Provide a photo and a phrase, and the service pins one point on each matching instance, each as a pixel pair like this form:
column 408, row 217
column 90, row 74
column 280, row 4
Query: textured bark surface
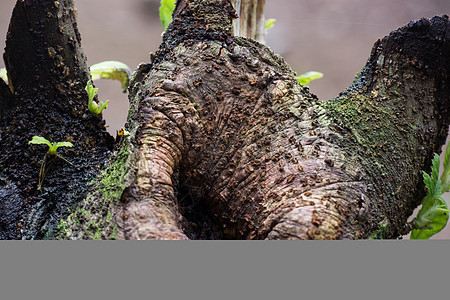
column 6, row 99
column 225, row 144
column 394, row 116
column 47, row 71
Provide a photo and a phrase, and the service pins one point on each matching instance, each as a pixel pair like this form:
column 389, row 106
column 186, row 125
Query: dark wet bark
column 6, row 99
column 224, row 142
column 47, row 72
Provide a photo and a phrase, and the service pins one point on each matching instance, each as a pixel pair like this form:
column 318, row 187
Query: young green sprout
column 307, row 77
column 93, row 106
column 434, row 214
column 52, row 148
column 112, row 69
column 269, row 23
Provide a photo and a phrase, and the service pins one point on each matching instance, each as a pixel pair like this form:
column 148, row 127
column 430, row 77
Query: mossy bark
column 225, row 144
column 394, row 116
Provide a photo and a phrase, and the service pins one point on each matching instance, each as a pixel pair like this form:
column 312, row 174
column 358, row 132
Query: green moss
column 368, row 122
column 62, row 227
column 108, row 217
column 93, row 220
column 376, row 127
column 113, row 235
column 380, row 232
column 113, row 183
column 48, row 234
column 98, row 234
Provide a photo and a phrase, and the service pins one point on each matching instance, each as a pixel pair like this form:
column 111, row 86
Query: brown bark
column 395, row 115
column 224, row 129
column 224, row 142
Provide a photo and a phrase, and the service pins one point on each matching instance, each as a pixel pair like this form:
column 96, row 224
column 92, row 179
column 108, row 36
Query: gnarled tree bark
column 224, row 142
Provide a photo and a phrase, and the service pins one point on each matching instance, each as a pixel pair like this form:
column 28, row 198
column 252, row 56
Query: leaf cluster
column 93, row 106
column 433, row 215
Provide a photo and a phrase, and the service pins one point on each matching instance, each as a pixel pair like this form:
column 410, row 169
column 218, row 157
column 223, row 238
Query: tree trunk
column 6, row 99
column 47, row 72
column 225, row 144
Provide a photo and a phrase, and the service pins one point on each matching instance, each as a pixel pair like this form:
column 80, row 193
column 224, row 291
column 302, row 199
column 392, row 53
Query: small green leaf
column 92, row 105
column 55, row 146
column 429, row 184
column 307, row 77
column 270, row 23
column 103, row 105
column 96, row 108
column 432, row 183
column 445, row 177
column 91, row 91
column 4, row 74
column 430, row 221
column 52, row 147
column 63, row 144
column 114, row 70
column 435, row 188
column 39, row 140
column 165, row 12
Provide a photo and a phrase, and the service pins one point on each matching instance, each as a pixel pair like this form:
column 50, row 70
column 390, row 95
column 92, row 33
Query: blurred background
column 334, row 37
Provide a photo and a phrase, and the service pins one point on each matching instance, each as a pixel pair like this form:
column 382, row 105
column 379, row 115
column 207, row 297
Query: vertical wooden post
column 251, row 22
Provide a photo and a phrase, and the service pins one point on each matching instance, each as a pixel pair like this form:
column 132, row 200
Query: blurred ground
column 331, row 36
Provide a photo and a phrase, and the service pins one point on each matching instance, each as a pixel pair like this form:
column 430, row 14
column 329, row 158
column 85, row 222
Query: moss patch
column 380, row 232
column 93, row 218
column 113, row 183
column 368, row 122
